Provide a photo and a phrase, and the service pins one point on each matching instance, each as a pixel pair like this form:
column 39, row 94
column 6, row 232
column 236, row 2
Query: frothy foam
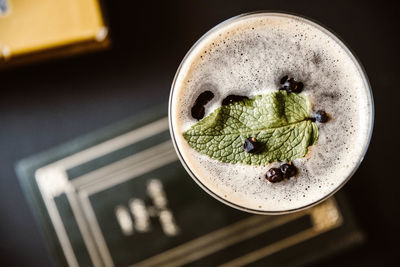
column 248, row 56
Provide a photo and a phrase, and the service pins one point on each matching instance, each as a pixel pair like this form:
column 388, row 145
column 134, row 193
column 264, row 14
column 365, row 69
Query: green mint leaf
column 279, row 121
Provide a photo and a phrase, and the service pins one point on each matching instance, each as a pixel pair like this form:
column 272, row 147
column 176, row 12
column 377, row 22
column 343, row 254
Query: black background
column 46, row 104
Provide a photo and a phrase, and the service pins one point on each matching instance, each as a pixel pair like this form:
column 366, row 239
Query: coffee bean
column 288, row 170
column 321, row 116
column 198, row 109
column 251, row 145
column 274, row 175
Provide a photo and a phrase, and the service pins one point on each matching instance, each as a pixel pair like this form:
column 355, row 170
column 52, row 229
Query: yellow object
column 33, row 27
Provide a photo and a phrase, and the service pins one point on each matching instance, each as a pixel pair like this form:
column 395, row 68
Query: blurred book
column 36, row 30
column 120, row 197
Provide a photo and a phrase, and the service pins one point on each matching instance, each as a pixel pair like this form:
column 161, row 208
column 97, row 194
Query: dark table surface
column 46, row 104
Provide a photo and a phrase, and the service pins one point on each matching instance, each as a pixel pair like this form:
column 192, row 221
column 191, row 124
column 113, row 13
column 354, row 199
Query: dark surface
column 44, row 105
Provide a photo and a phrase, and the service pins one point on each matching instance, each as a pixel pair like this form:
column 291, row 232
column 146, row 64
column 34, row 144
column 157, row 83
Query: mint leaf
column 278, row 120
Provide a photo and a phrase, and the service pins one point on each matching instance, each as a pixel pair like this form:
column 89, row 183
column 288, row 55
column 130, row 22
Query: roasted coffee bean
column 288, row 170
column 274, row 175
column 321, row 116
column 251, row 145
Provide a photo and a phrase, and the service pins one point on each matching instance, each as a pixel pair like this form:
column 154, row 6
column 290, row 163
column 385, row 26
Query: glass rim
column 335, row 37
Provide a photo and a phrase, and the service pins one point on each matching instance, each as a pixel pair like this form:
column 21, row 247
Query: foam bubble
column 248, row 56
